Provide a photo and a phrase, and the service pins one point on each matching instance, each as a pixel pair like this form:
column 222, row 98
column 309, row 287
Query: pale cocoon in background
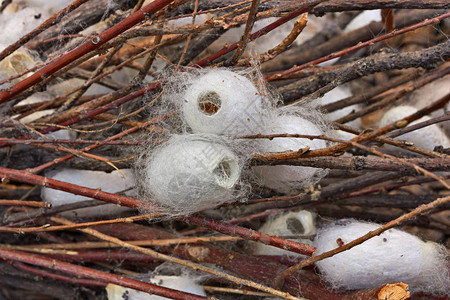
column 427, row 137
column 222, row 102
column 283, row 178
column 336, row 94
column 190, row 173
column 108, row 182
column 394, row 256
column 290, row 224
column 180, row 283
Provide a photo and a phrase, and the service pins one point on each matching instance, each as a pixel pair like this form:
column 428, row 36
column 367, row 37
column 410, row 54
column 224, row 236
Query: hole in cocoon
column 209, row 103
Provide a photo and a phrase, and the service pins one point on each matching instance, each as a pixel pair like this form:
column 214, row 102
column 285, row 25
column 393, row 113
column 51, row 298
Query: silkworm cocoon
column 49, row 6
column 15, row 24
column 290, row 224
column 222, row 102
column 427, row 137
column 282, row 178
column 190, row 173
column 394, row 256
column 108, row 182
column 180, row 283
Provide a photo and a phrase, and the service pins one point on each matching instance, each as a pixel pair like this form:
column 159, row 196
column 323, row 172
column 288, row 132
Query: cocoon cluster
column 222, row 102
column 286, row 179
column 290, row 224
column 394, row 256
column 427, row 137
column 180, row 283
column 190, row 173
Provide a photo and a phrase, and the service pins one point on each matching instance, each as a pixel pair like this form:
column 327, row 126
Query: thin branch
column 247, row 31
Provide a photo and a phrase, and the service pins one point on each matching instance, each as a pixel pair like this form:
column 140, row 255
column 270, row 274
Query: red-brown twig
column 25, row 203
column 249, row 234
column 24, row 176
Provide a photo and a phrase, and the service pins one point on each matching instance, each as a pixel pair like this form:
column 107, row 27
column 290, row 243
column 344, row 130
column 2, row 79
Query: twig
column 153, row 242
column 25, row 203
column 249, row 234
column 25, row 176
column 48, row 227
column 247, row 31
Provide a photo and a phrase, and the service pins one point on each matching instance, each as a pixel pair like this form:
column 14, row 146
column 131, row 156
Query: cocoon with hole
column 394, row 256
column 222, row 102
column 290, row 224
column 282, row 178
column 190, row 173
column 427, row 137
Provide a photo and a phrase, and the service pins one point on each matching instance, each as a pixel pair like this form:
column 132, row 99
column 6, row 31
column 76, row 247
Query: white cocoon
column 16, row 24
column 50, row 6
column 427, row 137
column 116, row 292
column 282, row 178
column 394, row 256
column 222, row 102
column 290, row 224
column 108, row 182
column 364, row 18
column 190, row 173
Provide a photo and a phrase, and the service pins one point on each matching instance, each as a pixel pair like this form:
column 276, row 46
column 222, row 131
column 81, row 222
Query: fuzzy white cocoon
column 394, row 256
column 108, row 182
column 427, row 137
column 222, row 102
column 14, row 25
column 190, row 173
column 282, row 178
column 290, row 224
column 116, row 292
column 50, row 6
